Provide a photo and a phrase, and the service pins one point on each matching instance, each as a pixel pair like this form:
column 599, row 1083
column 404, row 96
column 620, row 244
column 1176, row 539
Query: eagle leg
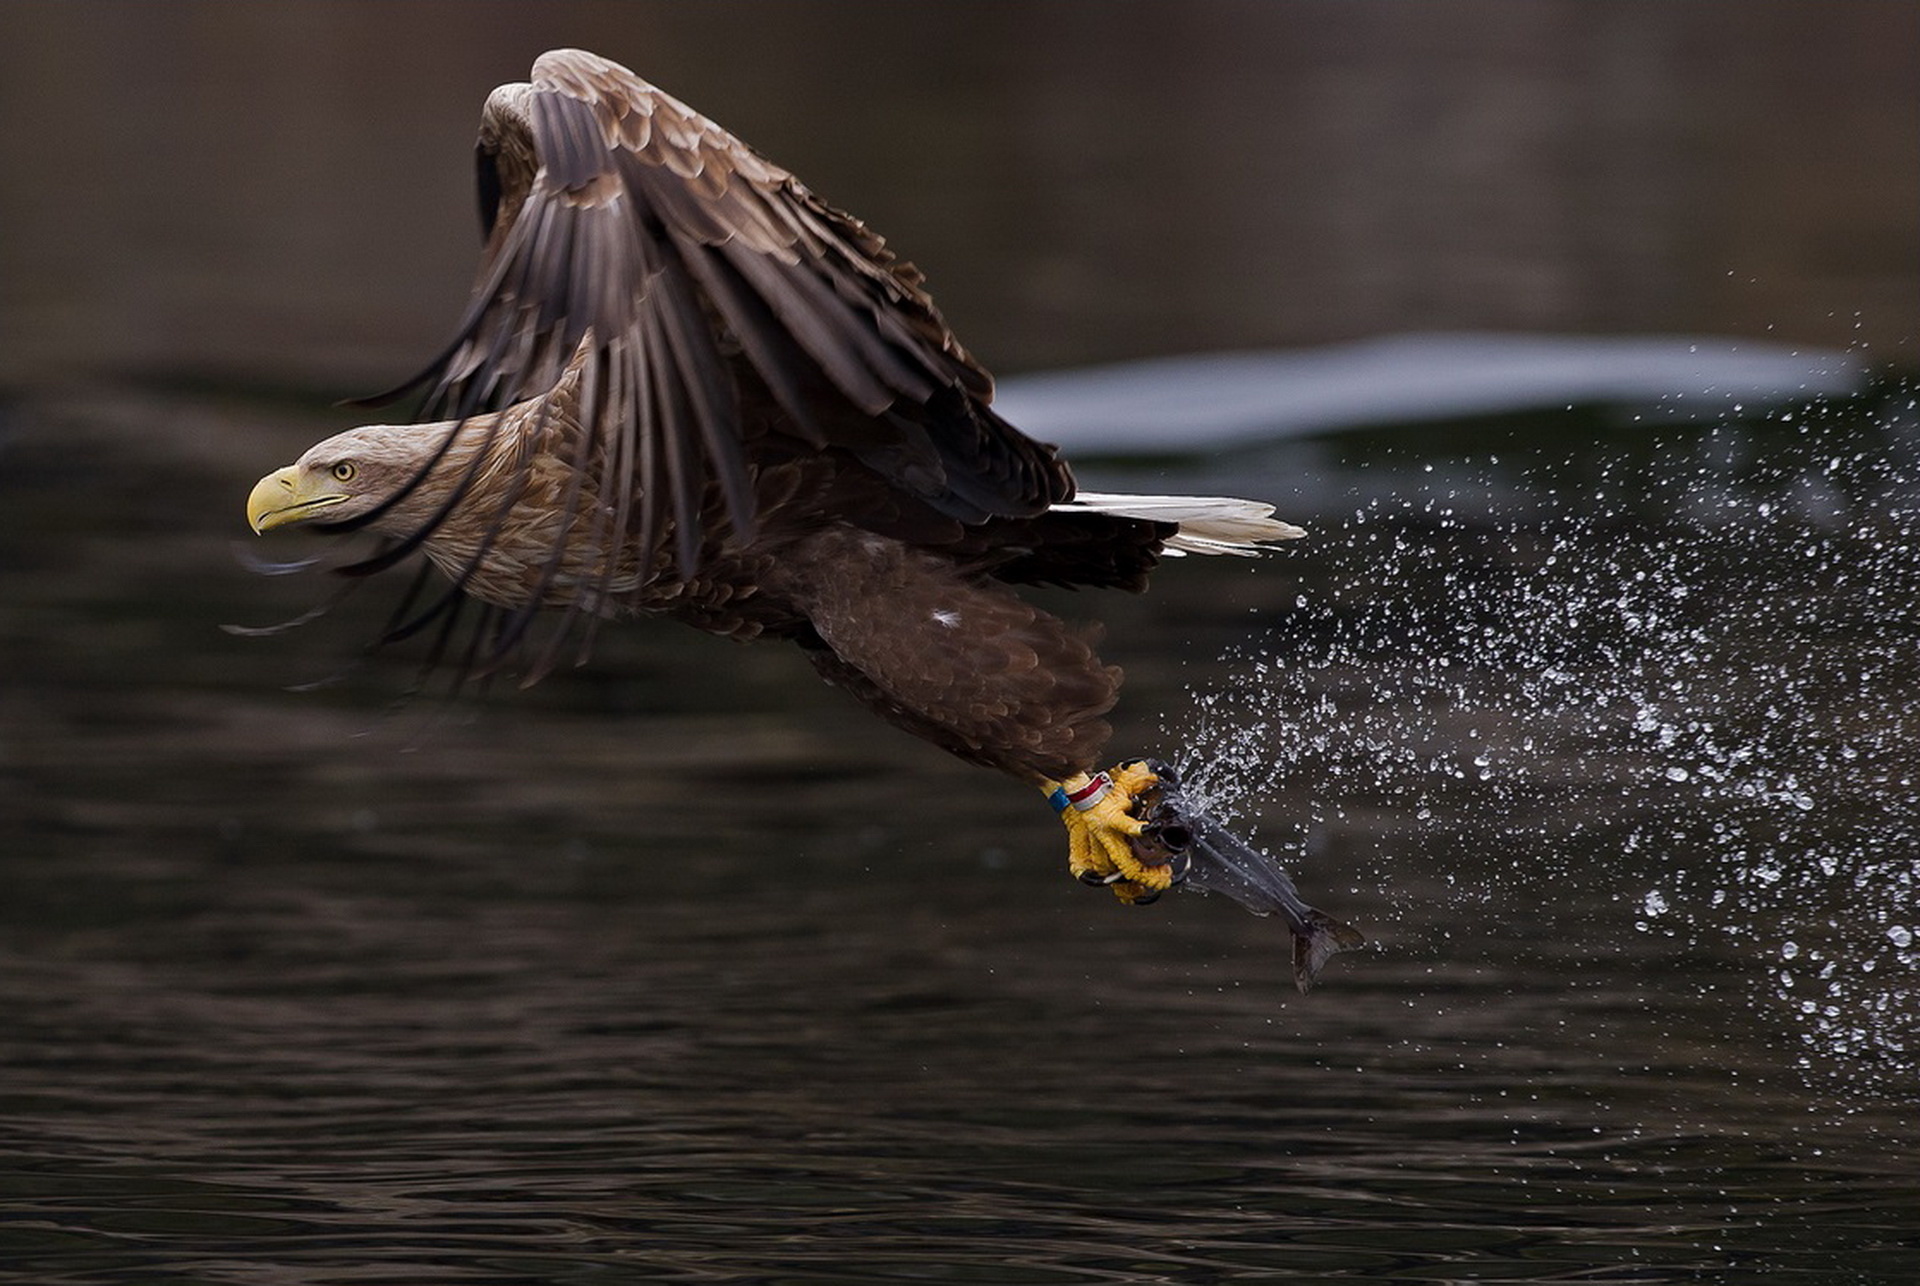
column 1108, row 843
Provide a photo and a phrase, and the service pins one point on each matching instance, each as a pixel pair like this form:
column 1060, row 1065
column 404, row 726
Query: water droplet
column 1901, row 935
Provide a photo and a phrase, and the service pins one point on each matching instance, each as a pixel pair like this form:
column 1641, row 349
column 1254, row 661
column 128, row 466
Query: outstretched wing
column 700, row 280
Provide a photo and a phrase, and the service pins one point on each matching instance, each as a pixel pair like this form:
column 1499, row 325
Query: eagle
column 686, row 386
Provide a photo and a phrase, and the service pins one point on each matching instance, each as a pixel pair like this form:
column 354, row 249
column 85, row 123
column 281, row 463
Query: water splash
column 1676, row 673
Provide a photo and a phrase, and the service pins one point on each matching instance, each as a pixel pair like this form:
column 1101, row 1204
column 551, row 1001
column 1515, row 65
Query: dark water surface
column 680, row 968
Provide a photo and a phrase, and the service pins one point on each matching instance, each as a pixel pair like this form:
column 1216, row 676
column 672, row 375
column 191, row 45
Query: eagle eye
column 344, row 471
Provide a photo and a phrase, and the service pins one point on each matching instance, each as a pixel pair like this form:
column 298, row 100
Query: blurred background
column 1589, row 697
column 283, row 193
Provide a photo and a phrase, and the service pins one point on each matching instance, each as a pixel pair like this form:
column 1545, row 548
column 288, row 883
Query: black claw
column 1092, row 879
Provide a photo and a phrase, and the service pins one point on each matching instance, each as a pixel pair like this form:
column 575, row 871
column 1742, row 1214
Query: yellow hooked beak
column 288, row 495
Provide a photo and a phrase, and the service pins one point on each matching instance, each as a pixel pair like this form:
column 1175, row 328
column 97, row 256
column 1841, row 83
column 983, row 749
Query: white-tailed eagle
column 686, row 386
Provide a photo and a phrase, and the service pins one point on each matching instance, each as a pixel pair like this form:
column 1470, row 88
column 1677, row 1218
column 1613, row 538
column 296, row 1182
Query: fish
column 1207, row 857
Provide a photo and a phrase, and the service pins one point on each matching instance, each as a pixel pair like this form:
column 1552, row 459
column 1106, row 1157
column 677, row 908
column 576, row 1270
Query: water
column 1700, row 663
column 679, row 968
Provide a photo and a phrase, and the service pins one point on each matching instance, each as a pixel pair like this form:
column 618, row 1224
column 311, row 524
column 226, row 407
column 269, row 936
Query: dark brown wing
column 687, row 265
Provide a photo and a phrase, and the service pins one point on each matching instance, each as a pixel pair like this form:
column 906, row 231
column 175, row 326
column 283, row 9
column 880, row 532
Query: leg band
column 1081, row 797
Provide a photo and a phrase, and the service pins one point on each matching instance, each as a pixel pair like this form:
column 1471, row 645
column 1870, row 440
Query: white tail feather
column 1208, row 524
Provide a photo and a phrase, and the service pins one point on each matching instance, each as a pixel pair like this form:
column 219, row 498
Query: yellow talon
column 1133, row 777
column 1099, row 827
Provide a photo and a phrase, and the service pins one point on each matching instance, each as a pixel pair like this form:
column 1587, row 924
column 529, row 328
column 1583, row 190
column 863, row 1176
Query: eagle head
column 341, row 479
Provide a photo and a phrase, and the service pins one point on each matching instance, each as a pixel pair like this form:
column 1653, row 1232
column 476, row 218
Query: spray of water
column 1679, row 669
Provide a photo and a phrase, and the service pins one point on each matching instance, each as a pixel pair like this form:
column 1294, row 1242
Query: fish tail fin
column 1318, row 938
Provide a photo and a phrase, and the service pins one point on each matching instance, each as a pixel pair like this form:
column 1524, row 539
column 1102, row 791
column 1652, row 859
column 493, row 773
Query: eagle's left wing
column 695, row 274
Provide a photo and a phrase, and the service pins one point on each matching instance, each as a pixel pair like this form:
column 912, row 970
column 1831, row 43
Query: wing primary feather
column 503, row 511
column 768, row 347
column 307, row 617
column 610, row 506
column 681, row 477
column 585, row 268
column 846, row 317
column 504, row 296
column 568, row 138
column 504, row 331
column 442, row 605
column 486, row 293
column 645, row 402
column 815, row 317
column 619, row 477
column 660, row 449
column 603, row 540
column 711, row 394
column 553, row 319
column 466, row 670
column 587, row 413
column 512, row 625
column 456, row 589
column 484, row 624
column 394, row 628
column 449, row 621
column 620, row 263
